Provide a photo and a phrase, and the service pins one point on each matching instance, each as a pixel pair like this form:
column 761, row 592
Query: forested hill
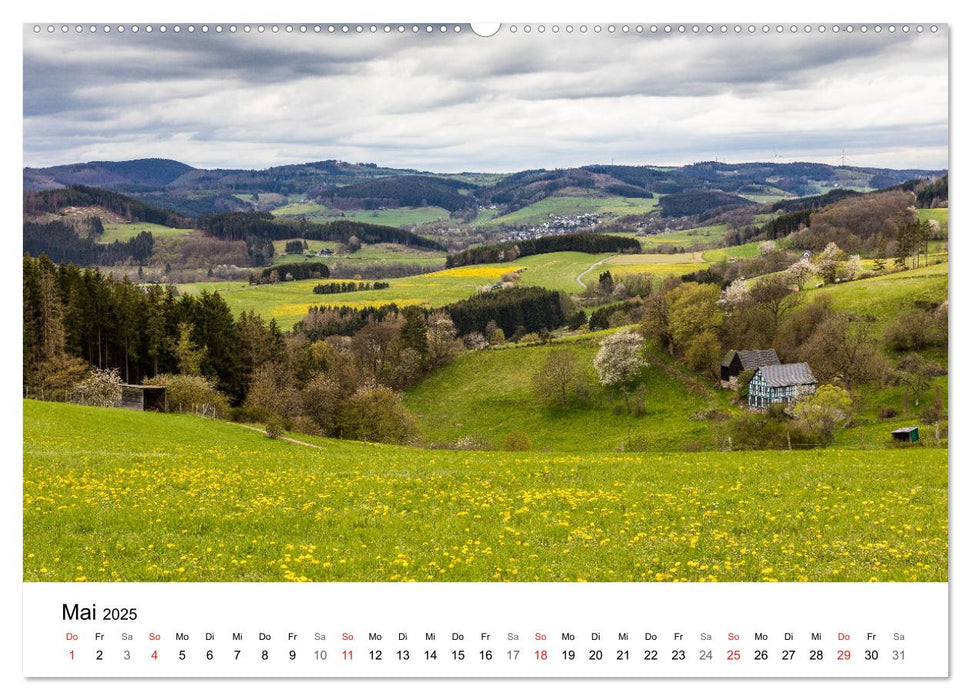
column 698, row 202
column 404, row 191
column 144, row 172
column 196, row 191
column 53, row 201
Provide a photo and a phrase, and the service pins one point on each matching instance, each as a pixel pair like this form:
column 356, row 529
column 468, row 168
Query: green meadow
column 485, row 395
column 540, row 211
column 377, row 254
column 288, row 302
column 169, row 497
column 702, row 235
column 884, row 297
column 397, row 217
column 124, row 232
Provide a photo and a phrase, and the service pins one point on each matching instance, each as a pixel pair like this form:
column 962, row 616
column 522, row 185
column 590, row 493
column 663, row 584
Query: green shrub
column 766, row 431
column 517, row 441
column 187, row 393
column 377, row 414
column 274, row 427
column 636, row 443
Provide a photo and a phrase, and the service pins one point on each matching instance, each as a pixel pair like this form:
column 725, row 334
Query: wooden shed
column 910, row 434
column 144, row 397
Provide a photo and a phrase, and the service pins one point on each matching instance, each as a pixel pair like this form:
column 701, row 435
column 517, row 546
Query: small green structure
column 911, row 434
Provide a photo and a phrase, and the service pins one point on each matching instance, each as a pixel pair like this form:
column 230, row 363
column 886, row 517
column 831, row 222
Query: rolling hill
column 396, row 192
column 485, row 395
column 196, row 191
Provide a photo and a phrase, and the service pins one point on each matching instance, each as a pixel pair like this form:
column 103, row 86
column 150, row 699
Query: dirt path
column 599, row 262
column 287, row 439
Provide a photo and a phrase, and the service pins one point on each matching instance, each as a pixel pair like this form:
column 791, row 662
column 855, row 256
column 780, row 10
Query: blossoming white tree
column 800, row 271
column 101, row 388
column 735, row 295
column 620, row 361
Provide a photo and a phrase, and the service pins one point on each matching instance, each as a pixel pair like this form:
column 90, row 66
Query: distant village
column 557, row 223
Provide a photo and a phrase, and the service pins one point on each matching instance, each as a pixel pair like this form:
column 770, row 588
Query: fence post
column 789, row 440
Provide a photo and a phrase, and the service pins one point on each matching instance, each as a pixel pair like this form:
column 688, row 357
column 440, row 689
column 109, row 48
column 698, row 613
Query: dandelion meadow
column 114, row 495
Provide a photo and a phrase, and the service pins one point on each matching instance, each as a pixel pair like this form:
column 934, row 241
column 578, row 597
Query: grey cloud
column 467, row 103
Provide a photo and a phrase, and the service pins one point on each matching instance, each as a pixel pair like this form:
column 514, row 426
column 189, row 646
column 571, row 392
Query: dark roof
column 904, row 430
column 752, row 359
column 787, row 375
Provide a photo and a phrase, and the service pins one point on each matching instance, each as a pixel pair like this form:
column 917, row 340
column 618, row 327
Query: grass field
column 308, row 209
column 279, row 248
column 124, row 232
column 484, row 214
column 869, row 430
column 883, row 298
column 488, row 394
column 380, row 253
column 263, row 198
column 540, row 211
column 403, row 216
column 558, row 271
column 746, row 250
column 939, row 215
column 393, row 253
column 675, row 264
column 398, row 217
column 703, row 235
column 180, row 498
column 288, row 302
column 767, row 197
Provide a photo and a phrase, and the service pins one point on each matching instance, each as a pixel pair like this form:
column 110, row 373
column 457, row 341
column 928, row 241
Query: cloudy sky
column 461, row 102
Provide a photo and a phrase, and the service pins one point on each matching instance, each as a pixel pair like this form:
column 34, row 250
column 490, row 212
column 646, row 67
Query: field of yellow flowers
column 113, row 495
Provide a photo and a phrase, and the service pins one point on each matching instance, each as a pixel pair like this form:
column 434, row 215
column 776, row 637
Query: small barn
column 143, row 397
column 910, row 434
column 780, row 384
column 737, row 361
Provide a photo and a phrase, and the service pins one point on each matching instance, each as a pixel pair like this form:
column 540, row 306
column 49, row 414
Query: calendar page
column 521, row 350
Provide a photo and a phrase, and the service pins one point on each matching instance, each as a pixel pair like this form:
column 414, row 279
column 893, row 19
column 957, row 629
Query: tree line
column 243, row 225
column 515, row 309
column 511, row 250
column 75, row 317
column 50, row 201
column 85, row 332
column 341, row 287
column 285, row 272
column 403, row 191
column 63, row 244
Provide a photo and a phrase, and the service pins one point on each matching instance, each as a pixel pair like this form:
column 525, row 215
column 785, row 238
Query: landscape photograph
column 375, row 303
